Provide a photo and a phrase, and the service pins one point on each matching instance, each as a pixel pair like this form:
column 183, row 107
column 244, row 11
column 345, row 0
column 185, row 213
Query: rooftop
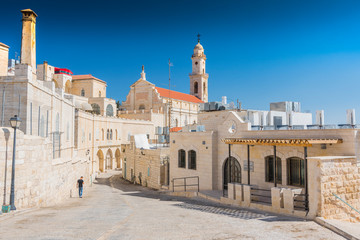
column 177, row 95
column 86, row 77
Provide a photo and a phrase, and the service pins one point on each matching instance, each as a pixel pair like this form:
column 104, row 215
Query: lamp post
column 15, row 123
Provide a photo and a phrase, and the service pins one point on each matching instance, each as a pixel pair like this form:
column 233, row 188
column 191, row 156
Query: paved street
column 115, row 209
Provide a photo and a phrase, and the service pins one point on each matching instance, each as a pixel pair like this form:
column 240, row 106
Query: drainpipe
column 306, row 181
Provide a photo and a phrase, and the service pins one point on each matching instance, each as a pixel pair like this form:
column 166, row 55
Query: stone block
column 276, row 198
column 288, row 198
column 247, row 195
column 239, row 192
column 231, row 191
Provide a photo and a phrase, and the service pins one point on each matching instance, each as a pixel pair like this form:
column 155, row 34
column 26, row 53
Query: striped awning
column 280, row 142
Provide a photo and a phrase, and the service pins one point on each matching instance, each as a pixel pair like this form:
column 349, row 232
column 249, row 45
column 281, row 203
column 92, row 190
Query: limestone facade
column 332, row 168
column 4, row 57
column 148, row 167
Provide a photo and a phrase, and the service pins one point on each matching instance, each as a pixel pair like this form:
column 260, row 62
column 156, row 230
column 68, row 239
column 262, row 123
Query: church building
column 166, row 107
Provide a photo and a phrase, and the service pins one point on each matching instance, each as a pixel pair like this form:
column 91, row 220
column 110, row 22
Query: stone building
column 69, row 127
column 236, row 163
column 166, row 107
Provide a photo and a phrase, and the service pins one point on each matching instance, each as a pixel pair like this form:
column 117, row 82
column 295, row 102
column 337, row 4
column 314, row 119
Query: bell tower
column 198, row 77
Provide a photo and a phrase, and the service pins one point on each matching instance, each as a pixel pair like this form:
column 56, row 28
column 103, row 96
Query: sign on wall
column 246, row 166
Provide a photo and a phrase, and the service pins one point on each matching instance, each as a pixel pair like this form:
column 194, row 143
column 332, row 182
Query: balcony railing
column 304, row 127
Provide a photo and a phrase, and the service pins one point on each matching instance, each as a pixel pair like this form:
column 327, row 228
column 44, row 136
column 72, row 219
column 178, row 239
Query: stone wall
column 147, row 165
column 39, row 179
column 340, row 177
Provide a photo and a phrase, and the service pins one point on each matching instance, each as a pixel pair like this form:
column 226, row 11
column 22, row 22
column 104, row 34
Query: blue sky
column 259, row 51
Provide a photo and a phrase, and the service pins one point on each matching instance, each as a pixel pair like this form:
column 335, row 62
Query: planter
column 5, row 208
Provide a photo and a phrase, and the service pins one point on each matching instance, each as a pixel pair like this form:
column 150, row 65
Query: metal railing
column 346, row 203
column 300, row 202
column 185, row 184
column 260, row 195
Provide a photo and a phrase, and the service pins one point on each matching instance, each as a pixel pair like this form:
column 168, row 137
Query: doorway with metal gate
column 233, row 167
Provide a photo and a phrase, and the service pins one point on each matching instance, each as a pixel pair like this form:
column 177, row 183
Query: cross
column 198, row 37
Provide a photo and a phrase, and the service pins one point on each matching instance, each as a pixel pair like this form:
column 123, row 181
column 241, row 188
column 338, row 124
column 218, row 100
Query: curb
column 335, row 229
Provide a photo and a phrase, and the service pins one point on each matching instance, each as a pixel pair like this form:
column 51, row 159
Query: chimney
column 28, row 39
column 224, row 100
column 4, row 59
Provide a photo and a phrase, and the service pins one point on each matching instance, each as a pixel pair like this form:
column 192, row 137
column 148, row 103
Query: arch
column 99, row 93
column 56, row 83
column 68, row 86
column 142, row 107
column 83, row 92
column 181, row 158
column 109, row 110
column 100, row 156
column 196, row 87
column 109, row 159
column 192, row 159
column 111, row 134
column 235, row 174
column 117, row 157
column 96, row 108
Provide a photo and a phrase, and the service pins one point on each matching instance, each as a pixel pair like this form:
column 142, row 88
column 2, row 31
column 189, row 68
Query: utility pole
column 169, row 101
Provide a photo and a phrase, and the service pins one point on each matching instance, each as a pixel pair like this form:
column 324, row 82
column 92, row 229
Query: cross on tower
column 198, row 37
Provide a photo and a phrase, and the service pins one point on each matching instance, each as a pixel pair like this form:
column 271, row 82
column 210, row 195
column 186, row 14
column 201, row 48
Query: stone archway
column 117, row 157
column 235, row 172
column 109, row 160
column 100, row 156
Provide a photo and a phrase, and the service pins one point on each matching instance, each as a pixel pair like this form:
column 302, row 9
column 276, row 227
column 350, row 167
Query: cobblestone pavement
column 115, row 209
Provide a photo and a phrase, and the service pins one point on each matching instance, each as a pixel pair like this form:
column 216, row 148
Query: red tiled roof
column 175, row 129
column 177, row 95
column 85, row 76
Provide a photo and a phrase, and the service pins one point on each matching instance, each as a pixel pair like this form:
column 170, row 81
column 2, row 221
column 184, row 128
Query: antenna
column 198, row 36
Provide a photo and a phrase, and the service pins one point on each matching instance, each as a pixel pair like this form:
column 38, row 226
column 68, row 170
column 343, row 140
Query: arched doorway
column 117, row 157
column 100, row 156
column 235, row 172
column 109, row 159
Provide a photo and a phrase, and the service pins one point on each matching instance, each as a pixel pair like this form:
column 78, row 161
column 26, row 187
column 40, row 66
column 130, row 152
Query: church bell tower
column 198, row 77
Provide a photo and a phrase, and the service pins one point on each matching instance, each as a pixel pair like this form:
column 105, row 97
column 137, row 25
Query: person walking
column 80, row 184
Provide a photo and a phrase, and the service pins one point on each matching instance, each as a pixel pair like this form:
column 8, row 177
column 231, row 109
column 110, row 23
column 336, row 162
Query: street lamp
column 15, row 123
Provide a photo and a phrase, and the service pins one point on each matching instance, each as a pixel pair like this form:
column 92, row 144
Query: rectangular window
column 269, row 167
column 192, row 159
column 295, row 171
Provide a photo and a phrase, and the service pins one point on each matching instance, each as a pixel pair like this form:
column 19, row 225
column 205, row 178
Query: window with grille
column 181, row 158
column 295, row 171
column 269, row 167
column 192, row 159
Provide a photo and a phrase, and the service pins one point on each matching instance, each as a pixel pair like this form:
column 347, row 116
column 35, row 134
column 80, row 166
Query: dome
column 199, row 46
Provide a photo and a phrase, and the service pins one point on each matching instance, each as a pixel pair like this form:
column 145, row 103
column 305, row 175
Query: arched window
column 109, row 110
column 195, row 87
column 177, row 122
column 82, row 92
column 142, row 107
column 269, row 167
column 192, row 159
column 99, row 93
column 295, row 171
column 181, row 158
column 96, row 108
column 107, row 134
column 116, row 135
column 111, row 135
column 204, row 87
column 102, row 134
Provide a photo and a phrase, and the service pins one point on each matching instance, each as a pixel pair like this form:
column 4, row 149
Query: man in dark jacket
column 80, row 184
